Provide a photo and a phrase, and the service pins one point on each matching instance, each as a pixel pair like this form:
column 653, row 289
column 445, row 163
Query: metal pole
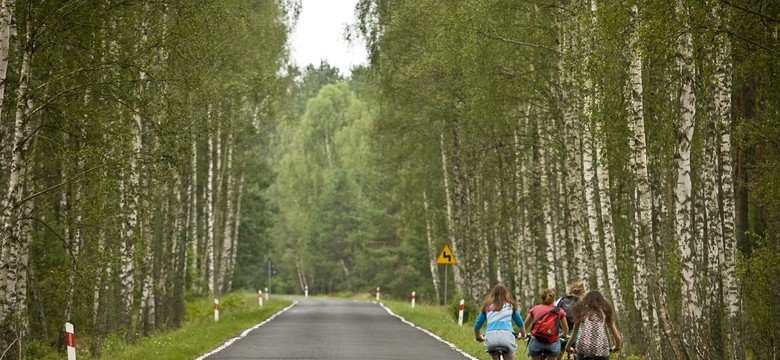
column 446, row 273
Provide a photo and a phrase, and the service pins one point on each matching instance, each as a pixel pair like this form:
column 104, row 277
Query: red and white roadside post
column 266, row 294
column 260, row 297
column 377, row 293
column 414, row 293
column 70, row 340
column 460, row 313
column 306, row 291
column 216, row 309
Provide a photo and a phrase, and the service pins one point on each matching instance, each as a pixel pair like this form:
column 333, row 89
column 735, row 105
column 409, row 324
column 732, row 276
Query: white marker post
column 377, row 293
column 260, row 297
column 70, row 339
column 413, row 296
column 460, row 313
column 266, row 294
column 216, row 309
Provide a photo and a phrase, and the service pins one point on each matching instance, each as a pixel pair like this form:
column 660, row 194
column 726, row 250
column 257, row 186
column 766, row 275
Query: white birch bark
column 644, row 252
column 214, row 248
column 433, row 253
column 532, row 278
column 458, row 280
column 209, row 211
column 519, row 218
column 589, row 177
column 571, row 192
column 11, row 260
column 227, row 244
column 192, row 219
column 574, row 182
column 608, row 257
column 728, row 251
column 683, row 188
column 23, row 262
column 7, row 31
column 236, row 227
column 550, row 248
column 708, row 204
column 145, row 319
column 72, row 232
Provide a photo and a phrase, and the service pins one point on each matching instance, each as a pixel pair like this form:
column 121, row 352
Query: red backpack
column 545, row 327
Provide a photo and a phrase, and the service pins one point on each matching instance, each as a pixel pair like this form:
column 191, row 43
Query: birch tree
column 683, row 186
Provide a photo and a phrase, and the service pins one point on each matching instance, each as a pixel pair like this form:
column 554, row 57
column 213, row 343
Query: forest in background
column 159, row 151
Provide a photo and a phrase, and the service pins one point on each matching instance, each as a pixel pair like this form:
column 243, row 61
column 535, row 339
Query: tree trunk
column 728, row 251
column 192, row 218
column 12, row 261
column 227, row 243
column 209, row 212
column 551, row 250
column 678, row 347
column 458, row 280
column 433, row 254
column 683, row 189
column 236, row 227
column 6, row 30
column 644, row 252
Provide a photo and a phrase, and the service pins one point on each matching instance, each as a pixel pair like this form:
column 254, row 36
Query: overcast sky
column 319, row 35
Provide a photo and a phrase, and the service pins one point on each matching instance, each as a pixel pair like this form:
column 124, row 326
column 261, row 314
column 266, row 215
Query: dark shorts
column 536, row 348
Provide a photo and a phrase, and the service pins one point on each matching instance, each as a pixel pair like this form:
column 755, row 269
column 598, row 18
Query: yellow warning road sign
column 446, row 257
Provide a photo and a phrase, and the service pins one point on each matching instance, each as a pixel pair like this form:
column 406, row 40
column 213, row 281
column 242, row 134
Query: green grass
column 436, row 320
column 197, row 336
column 202, row 334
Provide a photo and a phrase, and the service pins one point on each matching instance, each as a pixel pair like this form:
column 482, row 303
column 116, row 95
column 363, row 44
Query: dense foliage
column 157, row 150
column 131, row 136
column 631, row 144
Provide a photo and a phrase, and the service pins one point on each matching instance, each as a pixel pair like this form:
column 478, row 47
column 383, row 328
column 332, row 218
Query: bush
column 758, row 275
column 470, row 310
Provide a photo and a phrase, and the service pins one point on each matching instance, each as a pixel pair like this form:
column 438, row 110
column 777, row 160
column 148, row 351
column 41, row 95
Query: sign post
column 70, row 339
column 216, row 309
column 446, row 257
column 377, row 293
column 460, row 313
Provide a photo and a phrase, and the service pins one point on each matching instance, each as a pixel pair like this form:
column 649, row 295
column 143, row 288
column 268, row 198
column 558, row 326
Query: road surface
column 337, row 329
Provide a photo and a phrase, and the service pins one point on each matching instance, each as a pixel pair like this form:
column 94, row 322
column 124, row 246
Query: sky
column 319, row 34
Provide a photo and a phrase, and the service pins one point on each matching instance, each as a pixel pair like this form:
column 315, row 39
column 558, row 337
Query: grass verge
column 198, row 335
column 201, row 334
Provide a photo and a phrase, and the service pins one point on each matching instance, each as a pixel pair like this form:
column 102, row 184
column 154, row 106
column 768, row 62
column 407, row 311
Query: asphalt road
column 337, row 329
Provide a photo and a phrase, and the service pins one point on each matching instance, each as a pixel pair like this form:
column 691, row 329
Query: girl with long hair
column 592, row 315
column 499, row 310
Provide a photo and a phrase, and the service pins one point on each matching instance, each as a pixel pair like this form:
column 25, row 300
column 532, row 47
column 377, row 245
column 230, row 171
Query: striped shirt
column 499, row 319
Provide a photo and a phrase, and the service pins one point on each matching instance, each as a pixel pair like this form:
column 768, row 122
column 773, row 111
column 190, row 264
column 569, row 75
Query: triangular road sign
column 446, row 257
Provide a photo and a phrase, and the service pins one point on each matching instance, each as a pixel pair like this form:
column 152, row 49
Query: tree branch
column 495, row 36
column 67, row 181
column 767, row 17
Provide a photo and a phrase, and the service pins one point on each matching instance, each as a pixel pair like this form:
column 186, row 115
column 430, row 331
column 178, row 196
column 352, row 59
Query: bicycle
column 499, row 352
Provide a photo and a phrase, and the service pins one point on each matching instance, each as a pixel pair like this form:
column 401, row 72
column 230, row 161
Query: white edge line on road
column 426, row 331
column 243, row 334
